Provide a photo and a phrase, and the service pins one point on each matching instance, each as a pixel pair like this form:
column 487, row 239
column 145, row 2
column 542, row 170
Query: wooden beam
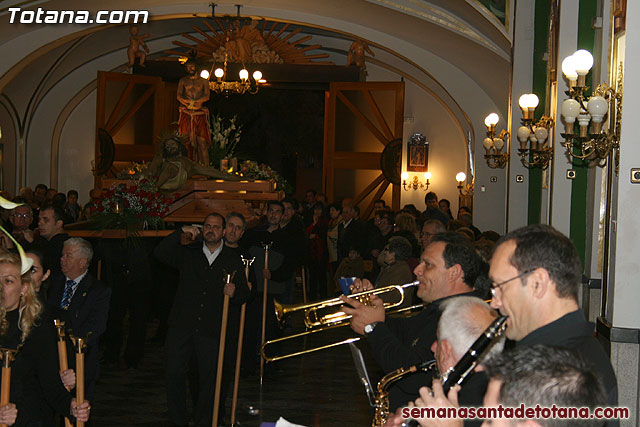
column 378, row 114
column 376, row 196
column 116, row 111
column 368, row 189
column 139, row 103
column 356, row 160
column 372, row 128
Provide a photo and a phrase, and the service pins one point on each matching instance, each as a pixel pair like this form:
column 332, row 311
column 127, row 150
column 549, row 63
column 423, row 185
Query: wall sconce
column 466, row 192
column 539, row 152
column 415, row 183
column 598, row 144
column 495, row 157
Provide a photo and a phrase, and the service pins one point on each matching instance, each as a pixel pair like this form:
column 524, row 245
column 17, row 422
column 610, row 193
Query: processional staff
column 236, row 382
column 62, row 355
column 8, row 356
column 266, row 247
column 80, row 345
column 223, row 336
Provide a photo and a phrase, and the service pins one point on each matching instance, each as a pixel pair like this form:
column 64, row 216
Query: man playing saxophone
column 448, row 267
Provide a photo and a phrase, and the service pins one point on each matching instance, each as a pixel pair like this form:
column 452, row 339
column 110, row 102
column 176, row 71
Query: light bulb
column 583, row 61
column 204, row 74
column 541, row 134
column 427, row 175
column 219, row 73
column 533, row 101
column 498, row 143
column 597, row 107
column 404, row 176
column 570, row 110
column 523, row 134
column 583, row 122
column 461, row 176
column 257, row 75
column 244, row 74
column 487, row 143
column 491, row 120
column 569, row 68
column 523, row 101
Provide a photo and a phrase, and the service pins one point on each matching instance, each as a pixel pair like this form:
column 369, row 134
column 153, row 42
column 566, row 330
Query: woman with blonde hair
column 25, row 327
column 405, row 226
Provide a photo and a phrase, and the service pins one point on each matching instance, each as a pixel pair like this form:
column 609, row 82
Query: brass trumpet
column 313, row 318
column 335, row 319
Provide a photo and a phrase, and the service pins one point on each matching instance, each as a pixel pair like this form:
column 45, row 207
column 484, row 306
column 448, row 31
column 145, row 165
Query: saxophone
column 382, row 396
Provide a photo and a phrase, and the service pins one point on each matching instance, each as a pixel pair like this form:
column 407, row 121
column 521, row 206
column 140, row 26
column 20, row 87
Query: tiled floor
column 320, row 389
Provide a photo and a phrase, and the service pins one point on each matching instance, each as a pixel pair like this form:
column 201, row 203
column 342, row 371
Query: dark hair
column 72, row 193
column 236, row 215
column 275, row 203
column 59, row 199
column 40, row 255
column 356, row 209
column 388, row 215
column 380, row 201
column 446, row 202
column 459, row 250
column 546, row 376
column 542, row 246
column 216, row 215
column 490, row 235
column 430, row 196
column 464, row 208
column 318, row 205
column 58, row 213
column 336, row 206
column 400, row 247
column 293, row 202
column 312, row 191
column 41, row 187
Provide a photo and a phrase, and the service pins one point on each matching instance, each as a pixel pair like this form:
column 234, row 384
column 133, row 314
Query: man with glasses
column 535, row 273
column 20, row 219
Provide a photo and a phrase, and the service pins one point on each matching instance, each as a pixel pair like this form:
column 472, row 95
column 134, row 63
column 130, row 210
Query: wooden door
column 363, row 132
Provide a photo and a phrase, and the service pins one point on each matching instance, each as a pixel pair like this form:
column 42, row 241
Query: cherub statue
column 173, row 169
column 356, row 53
column 135, row 43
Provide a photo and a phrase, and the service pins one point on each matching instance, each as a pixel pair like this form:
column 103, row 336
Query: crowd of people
column 531, row 275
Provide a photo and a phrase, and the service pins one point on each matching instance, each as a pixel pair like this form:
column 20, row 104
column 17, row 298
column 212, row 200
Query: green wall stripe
column 578, row 230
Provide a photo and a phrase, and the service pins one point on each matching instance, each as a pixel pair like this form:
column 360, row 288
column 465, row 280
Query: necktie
column 68, row 293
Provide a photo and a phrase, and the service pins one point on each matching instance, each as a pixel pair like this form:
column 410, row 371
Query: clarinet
column 459, row 373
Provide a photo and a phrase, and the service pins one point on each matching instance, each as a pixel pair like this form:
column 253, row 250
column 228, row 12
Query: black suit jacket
column 87, row 312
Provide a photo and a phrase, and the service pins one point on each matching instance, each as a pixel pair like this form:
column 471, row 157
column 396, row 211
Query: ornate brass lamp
column 494, row 144
column 415, row 183
column 535, row 149
column 597, row 145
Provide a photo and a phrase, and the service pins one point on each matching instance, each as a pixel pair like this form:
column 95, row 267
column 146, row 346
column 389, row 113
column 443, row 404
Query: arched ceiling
column 461, row 32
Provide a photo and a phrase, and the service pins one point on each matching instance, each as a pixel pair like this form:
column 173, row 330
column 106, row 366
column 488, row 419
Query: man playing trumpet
column 448, row 267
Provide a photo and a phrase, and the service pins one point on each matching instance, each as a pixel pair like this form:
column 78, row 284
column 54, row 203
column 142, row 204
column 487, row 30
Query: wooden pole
column 5, row 384
column 223, row 337
column 264, row 306
column 236, row 380
column 62, row 355
column 80, row 345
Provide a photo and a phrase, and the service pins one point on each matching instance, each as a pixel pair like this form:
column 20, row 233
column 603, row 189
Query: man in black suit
column 82, row 302
column 350, row 231
column 50, row 226
column 195, row 319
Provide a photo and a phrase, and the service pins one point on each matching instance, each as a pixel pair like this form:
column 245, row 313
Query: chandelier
column 226, row 87
column 596, row 145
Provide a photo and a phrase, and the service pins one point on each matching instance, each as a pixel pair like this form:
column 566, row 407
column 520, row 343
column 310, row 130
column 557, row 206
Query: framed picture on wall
column 417, row 153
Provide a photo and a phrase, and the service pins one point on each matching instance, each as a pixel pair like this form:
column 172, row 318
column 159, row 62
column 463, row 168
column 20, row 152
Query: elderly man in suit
column 82, row 302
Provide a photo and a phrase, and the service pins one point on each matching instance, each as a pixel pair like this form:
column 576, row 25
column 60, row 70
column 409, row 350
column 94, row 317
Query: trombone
column 324, row 322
